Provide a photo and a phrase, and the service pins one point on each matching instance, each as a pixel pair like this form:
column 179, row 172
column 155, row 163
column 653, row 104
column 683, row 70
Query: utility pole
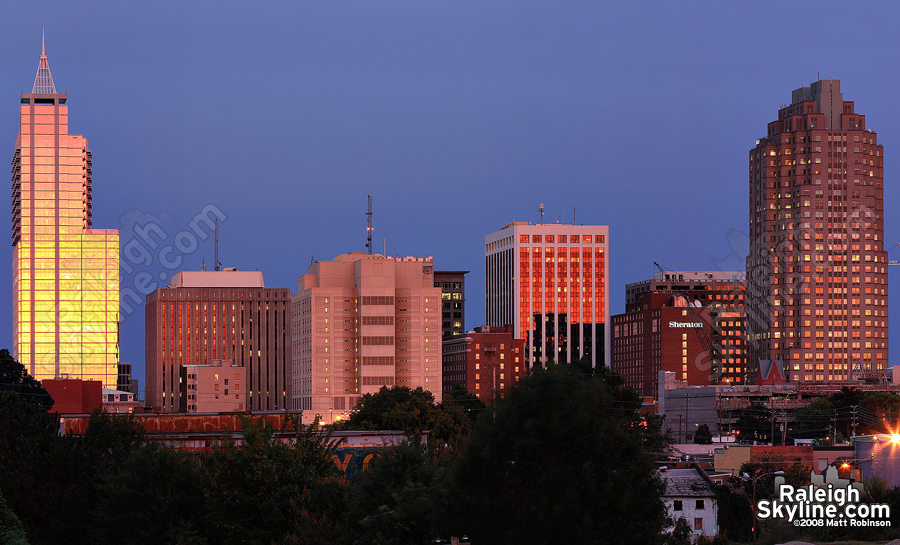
column 687, row 396
column 772, row 437
column 854, row 421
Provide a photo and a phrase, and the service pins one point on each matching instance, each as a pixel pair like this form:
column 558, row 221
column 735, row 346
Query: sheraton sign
column 685, row 324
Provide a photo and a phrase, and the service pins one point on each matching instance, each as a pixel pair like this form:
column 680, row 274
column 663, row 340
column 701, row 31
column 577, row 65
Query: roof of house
column 692, row 482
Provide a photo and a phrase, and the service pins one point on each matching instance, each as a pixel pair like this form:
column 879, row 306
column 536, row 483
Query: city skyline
column 484, row 109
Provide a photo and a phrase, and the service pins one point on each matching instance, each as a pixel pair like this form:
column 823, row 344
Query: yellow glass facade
column 65, row 274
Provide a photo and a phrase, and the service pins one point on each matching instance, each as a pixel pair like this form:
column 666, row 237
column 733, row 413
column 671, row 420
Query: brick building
column 453, row 301
column 487, row 362
column 692, row 323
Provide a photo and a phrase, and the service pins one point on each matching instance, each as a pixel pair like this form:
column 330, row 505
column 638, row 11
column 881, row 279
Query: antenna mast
column 542, row 213
column 369, row 228
column 218, row 264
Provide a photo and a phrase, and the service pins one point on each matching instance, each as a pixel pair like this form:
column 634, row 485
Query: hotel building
column 65, row 272
column 691, row 323
column 817, row 270
column 362, row 322
column 550, row 282
column 227, row 318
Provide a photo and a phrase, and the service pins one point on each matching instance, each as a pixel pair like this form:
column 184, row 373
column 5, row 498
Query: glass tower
column 65, row 274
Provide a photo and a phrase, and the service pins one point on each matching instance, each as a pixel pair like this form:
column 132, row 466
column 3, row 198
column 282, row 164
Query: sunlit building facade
column 65, row 273
column 362, row 322
column 817, row 270
column 550, row 282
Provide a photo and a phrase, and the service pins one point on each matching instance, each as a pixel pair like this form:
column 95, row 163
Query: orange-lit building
column 65, row 273
column 362, row 322
column 692, row 323
column 229, row 315
column 550, row 282
column 487, row 362
column 817, row 270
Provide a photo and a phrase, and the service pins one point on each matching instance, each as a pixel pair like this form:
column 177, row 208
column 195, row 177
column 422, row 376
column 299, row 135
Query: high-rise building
column 817, row 269
column 453, row 301
column 550, row 282
column 362, row 322
column 486, row 362
column 691, row 323
column 65, row 273
column 206, row 318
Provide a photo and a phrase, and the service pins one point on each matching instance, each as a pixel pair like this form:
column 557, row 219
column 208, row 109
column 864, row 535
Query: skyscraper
column 550, row 282
column 65, row 273
column 817, row 269
column 362, row 322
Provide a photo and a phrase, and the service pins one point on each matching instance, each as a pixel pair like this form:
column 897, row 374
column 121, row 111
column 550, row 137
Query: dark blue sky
column 457, row 116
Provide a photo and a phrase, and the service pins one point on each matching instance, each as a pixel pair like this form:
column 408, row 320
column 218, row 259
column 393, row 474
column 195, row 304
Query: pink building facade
column 361, row 322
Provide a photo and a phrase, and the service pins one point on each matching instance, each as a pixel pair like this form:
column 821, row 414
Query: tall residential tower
column 817, row 270
column 65, row 274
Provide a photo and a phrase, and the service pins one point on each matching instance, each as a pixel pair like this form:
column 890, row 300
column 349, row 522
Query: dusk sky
column 457, row 117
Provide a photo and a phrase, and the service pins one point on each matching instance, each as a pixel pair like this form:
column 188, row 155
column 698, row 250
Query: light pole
column 754, row 479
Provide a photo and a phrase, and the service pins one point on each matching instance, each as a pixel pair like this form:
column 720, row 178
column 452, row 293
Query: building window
column 700, row 504
column 698, row 524
column 677, row 506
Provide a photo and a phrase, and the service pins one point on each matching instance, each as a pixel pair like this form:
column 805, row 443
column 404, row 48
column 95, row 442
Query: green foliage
column 703, row 436
column 470, row 404
column 795, row 474
column 11, row 530
column 735, row 514
column 395, row 501
column 411, row 411
column 270, row 492
column 561, row 462
column 150, row 492
column 681, row 534
column 15, row 378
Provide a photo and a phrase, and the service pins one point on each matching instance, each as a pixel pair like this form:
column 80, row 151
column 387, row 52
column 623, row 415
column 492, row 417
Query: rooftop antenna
column 573, row 215
column 542, row 213
column 369, row 227
column 218, row 263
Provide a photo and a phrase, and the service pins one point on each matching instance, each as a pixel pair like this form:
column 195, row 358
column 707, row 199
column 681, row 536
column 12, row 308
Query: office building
column 487, row 362
column 65, row 272
column 208, row 316
column 550, row 282
column 362, row 322
column 691, row 323
column 817, row 270
column 217, row 387
column 453, row 301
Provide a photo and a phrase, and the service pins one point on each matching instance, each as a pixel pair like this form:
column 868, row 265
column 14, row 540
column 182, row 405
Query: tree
column 703, row 435
column 411, row 411
column 271, row 492
column 11, row 530
column 471, row 404
column 394, row 502
column 561, row 462
column 14, row 377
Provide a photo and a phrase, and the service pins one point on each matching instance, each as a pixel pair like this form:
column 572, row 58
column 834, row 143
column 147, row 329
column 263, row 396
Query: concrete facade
column 362, row 322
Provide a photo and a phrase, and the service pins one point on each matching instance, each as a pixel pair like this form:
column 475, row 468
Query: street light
column 754, row 479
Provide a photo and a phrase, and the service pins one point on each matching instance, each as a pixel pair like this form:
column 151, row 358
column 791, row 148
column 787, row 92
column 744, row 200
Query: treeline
column 565, row 458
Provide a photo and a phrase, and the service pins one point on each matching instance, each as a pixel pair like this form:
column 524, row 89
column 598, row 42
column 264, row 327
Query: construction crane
column 692, row 305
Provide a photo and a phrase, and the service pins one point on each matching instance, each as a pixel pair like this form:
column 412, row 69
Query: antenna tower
column 218, row 264
column 369, row 227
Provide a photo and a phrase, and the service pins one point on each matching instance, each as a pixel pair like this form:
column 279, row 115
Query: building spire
column 43, row 81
